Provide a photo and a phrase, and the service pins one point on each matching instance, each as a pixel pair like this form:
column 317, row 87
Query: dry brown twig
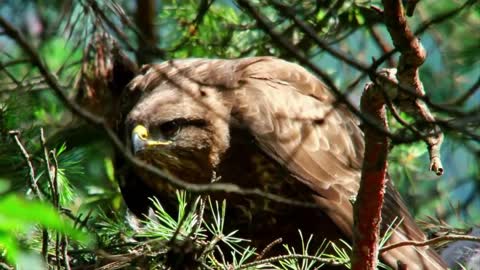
column 437, row 240
column 28, row 159
column 262, row 254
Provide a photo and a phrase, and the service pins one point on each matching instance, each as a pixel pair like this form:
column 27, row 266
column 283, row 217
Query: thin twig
column 57, row 250
column 268, row 248
column 60, row 238
column 48, row 167
column 200, row 212
column 437, row 240
column 201, row 12
column 221, row 255
column 98, row 11
column 382, row 44
column 54, row 169
column 212, row 244
column 64, row 243
column 469, row 93
column 28, row 159
column 322, row 44
column 443, row 17
column 331, row 262
column 10, row 75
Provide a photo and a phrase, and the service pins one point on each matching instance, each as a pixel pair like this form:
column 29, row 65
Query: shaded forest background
column 57, row 179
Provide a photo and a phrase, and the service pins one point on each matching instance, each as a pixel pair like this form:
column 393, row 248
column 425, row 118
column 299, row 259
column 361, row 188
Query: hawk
column 259, row 122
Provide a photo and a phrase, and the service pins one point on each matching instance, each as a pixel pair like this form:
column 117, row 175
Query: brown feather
column 295, row 122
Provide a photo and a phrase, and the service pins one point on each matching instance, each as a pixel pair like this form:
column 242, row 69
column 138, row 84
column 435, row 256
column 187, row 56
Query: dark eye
column 171, row 128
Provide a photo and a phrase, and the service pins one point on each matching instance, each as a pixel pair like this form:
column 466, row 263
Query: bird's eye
column 171, row 128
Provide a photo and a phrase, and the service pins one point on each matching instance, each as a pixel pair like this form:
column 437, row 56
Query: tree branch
column 469, row 93
column 437, row 240
column 382, row 44
column 331, row 262
column 368, row 205
column 28, row 159
column 145, row 19
column 412, row 57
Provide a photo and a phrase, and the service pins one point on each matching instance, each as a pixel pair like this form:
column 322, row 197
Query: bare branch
column 97, row 10
column 412, row 57
column 469, row 93
column 313, row 35
column 382, row 44
column 64, row 244
column 268, row 248
column 28, row 159
column 331, row 262
column 48, row 168
column 437, row 240
column 443, row 17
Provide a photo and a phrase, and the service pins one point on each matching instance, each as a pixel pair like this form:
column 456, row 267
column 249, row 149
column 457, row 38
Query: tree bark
column 145, row 20
column 368, row 205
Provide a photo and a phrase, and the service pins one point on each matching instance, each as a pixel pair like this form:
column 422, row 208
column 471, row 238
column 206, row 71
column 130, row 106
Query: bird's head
column 179, row 128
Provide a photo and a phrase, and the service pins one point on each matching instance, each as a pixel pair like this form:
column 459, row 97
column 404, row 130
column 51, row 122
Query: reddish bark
column 368, row 205
column 412, row 57
column 412, row 52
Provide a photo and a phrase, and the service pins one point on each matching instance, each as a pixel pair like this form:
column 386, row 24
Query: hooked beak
column 141, row 141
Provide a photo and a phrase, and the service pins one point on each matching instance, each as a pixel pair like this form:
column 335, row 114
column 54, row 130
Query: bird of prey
column 266, row 123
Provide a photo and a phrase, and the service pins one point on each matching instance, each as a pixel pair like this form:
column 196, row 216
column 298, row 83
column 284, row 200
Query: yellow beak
column 140, row 139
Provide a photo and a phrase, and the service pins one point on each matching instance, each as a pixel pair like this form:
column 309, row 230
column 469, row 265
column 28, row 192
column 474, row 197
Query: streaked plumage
column 263, row 122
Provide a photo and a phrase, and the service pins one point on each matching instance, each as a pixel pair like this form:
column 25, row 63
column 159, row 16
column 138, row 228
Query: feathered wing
column 297, row 122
